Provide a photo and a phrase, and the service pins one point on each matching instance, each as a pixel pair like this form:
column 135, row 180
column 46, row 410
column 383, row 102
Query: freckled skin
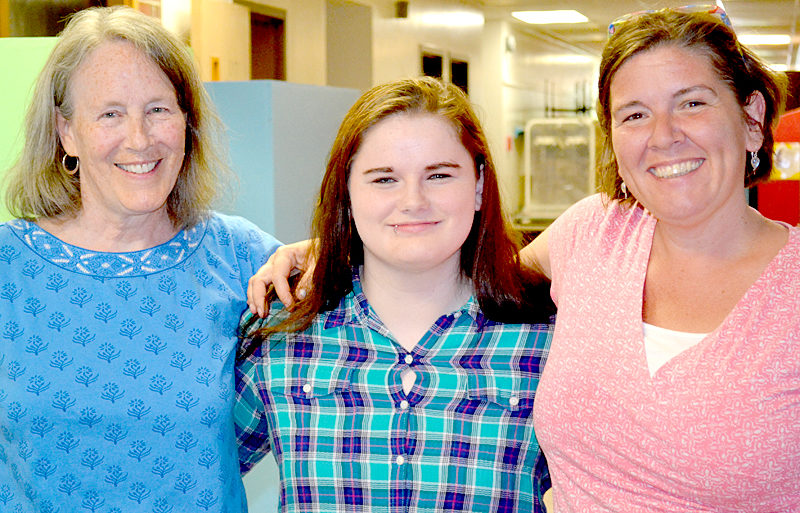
column 125, row 120
column 670, row 108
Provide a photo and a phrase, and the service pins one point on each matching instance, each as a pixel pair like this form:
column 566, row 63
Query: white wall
column 221, row 33
column 507, row 87
column 445, row 26
column 349, row 44
column 176, row 16
column 304, row 27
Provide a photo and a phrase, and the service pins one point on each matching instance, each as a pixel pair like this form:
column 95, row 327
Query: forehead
column 402, row 120
column 401, row 127
column 116, row 64
column 664, row 67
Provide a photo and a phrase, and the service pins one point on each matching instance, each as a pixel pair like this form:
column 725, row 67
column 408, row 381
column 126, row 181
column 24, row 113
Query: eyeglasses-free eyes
column 713, row 10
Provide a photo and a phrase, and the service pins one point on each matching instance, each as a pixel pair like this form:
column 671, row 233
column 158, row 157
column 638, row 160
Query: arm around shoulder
column 537, row 253
column 276, row 272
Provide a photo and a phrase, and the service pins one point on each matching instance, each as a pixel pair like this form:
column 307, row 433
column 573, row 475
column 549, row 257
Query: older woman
column 121, row 289
column 673, row 383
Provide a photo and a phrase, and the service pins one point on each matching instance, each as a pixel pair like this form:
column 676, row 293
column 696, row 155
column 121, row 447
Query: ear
column 64, row 129
column 754, row 111
column 479, row 190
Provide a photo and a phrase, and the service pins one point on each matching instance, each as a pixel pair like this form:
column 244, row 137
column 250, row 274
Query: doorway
column 268, row 47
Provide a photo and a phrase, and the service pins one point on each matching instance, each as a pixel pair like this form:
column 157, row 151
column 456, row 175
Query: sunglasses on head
column 713, row 10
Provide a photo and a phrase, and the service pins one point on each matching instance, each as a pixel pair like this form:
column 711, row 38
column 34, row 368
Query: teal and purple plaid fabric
column 329, row 402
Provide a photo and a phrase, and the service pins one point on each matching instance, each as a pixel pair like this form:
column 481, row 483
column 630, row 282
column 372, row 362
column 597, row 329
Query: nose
column 666, row 131
column 412, row 197
column 138, row 132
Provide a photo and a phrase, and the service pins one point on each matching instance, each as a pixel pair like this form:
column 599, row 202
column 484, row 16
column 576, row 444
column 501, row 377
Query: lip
column 140, row 168
column 675, row 169
column 412, row 227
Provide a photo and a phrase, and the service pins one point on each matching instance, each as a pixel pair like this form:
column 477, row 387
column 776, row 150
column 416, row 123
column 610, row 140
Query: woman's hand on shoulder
column 276, row 272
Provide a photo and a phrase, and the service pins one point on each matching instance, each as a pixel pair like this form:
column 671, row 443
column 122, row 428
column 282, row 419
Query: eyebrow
column 429, row 167
column 121, row 103
column 694, row 88
column 378, row 170
column 439, row 165
column 678, row 94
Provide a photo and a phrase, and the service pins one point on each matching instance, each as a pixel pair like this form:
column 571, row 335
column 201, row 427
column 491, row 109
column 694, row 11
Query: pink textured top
column 717, row 428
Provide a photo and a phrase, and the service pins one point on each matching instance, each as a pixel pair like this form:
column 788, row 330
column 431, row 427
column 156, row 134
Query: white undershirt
column 661, row 344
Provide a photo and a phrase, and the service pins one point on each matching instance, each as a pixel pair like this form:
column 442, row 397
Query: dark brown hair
column 735, row 64
column 505, row 290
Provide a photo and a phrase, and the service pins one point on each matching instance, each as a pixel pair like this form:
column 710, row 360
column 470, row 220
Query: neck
column 97, row 233
column 727, row 235
column 409, row 302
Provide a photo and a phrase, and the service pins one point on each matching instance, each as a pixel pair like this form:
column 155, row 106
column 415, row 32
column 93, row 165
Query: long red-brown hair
column 505, row 290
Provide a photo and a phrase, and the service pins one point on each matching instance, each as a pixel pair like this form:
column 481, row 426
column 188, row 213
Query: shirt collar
column 354, row 309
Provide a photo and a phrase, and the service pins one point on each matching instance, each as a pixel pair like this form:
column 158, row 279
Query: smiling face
column 413, row 193
column 128, row 132
column 680, row 136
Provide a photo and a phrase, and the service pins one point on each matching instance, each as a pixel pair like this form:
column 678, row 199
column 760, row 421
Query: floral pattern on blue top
column 116, row 370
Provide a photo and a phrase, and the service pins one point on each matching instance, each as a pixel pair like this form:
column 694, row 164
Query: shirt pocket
column 309, row 402
column 499, row 405
column 309, row 383
column 505, row 392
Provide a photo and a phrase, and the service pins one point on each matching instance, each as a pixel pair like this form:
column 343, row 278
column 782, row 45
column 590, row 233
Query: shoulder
column 18, row 226
column 237, row 227
column 569, row 224
column 595, row 208
column 536, row 335
column 251, row 326
column 597, row 219
column 794, row 235
column 250, row 242
column 7, row 228
column 789, row 255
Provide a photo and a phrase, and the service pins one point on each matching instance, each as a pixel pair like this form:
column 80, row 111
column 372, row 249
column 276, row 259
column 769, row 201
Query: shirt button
column 400, row 460
column 513, row 400
column 307, row 388
column 409, row 359
column 403, row 404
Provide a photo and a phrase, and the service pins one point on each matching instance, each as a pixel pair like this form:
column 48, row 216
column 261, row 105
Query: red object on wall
column 788, row 127
column 780, row 199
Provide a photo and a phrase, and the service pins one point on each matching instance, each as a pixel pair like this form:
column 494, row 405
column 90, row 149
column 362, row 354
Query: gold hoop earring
column 74, row 169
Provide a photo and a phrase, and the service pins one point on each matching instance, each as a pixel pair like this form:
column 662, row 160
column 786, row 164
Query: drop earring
column 754, row 160
column 624, row 189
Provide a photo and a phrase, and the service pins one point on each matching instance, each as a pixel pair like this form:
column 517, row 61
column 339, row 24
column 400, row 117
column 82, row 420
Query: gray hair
column 37, row 184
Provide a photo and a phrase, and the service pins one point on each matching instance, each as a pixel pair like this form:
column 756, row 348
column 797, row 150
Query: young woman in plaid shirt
column 405, row 380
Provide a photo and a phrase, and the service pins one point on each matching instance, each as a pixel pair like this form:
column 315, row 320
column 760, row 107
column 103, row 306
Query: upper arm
column 252, row 426
column 537, row 253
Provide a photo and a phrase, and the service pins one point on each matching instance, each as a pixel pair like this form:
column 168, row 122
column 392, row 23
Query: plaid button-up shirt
column 329, row 402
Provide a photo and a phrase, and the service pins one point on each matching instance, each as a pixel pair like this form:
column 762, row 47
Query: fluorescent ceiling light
column 765, row 39
column 549, row 17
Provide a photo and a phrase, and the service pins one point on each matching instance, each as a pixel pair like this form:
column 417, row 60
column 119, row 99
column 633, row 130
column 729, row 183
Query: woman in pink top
column 673, row 381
